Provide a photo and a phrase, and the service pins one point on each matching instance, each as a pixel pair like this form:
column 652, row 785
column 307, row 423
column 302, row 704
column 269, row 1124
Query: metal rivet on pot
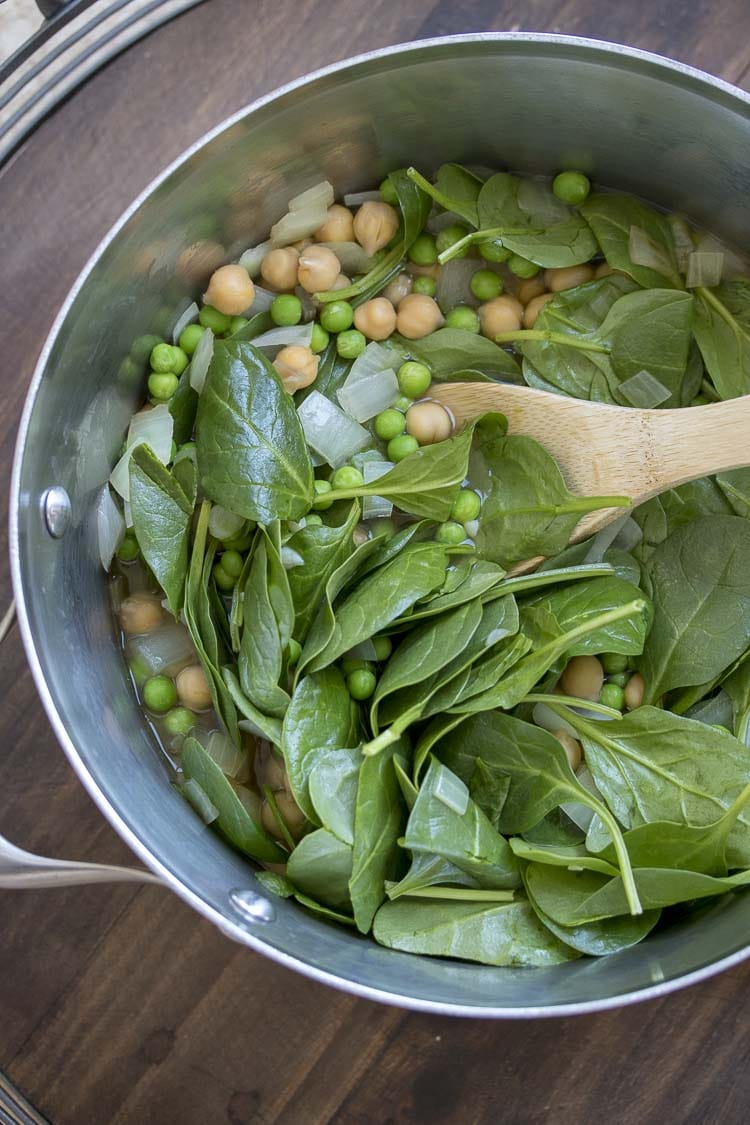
column 56, row 511
column 252, row 906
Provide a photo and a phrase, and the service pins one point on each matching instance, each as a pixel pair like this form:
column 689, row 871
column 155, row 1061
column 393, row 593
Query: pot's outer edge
column 733, row 99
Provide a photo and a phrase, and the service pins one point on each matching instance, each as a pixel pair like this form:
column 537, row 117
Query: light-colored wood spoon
column 612, row 450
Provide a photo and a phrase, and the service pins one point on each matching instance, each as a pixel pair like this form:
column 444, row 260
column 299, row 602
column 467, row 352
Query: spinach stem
column 524, row 334
column 434, row 192
column 479, row 236
column 465, row 894
column 573, row 701
column 523, row 582
column 377, row 276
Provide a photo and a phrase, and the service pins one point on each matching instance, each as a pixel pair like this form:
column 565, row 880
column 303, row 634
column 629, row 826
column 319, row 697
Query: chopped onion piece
column 110, row 526
column 375, row 507
column 201, row 361
column 603, row 540
column 376, row 357
column 291, row 558
column 319, row 195
column 223, row 524
column 645, row 252
column 165, row 651
column 451, row 791
column 331, row 432
column 153, row 427
column 362, row 399
column 359, row 460
column 187, row 317
column 644, row 391
column 222, row 750
column 277, row 338
column 352, row 257
column 537, row 199
column 198, row 798
column 471, row 527
column 683, row 240
column 704, row 268
column 356, row 198
column 453, row 284
column 628, row 536
column 253, row 257
column 262, row 301
column 298, row 224
column 733, row 263
column 580, row 814
column 127, row 512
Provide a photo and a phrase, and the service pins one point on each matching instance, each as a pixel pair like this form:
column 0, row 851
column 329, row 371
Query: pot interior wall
column 513, row 102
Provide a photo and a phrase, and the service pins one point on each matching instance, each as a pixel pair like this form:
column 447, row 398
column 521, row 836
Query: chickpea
column 279, row 268
column 341, row 282
column 534, row 307
column 396, row 290
column 634, row 691
column 432, row 271
column 318, row 269
column 531, row 288
column 193, row 689
column 375, row 225
column 293, row 816
column 583, row 677
column 296, row 366
column 274, row 772
column 338, row 227
column 502, row 314
column 428, row 422
column 376, row 318
column 568, row 277
column 571, row 746
column 360, row 535
column 418, row 315
column 141, row 613
column 230, row 290
column 302, row 244
column 604, row 269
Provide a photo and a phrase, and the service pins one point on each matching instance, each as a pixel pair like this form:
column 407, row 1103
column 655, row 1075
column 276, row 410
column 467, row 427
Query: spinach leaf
column 234, row 822
column 332, row 785
column 556, row 828
column 263, row 726
column 551, row 615
column 378, row 821
column 261, row 657
column 429, row 871
column 319, row 718
column 724, row 343
column 599, row 939
column 477, row 577
column 161, row 520
column 529, row 232
column 183, row 406
column 504, row 934
column 414, row 204
column 661, row 515
column 321, row 866
column 282, row 887
column 409, row 790
column 612, row 217
column 252, row 454
column 486, row 681
column 456, row 189
column 322, row 548
column 465, row 839
column 186, row 475
column 573, row 557
column 429, row 737
column 527, row 509
column 700, row 585
column 260, row 322
column 735, row 486
column 574, row 857
column 451, row 350
column 332, row 372
column 378, row 599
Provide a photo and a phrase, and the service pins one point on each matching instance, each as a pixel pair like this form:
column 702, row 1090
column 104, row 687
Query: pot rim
column 733, row 98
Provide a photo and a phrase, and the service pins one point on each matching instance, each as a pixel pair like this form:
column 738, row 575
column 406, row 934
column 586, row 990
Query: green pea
column 190, row 337
column 128, row 550
column 522, row 267
column 464, row 318
column 383, row 648
column 389, row 424
column 413, row 379
column 449, row 236
column 313, row 520
column 571, row 187
column 493, row 251
column 237, row 323
column 612, row 695
column 159, row 693
column 162, row 387
column 350, row 344
column 223, row 580
column 286, row 309
column 139, row 670
column 321, row 501
column 425, row 285
column 337, row 317
column 217, row 321
column 355, row 664
column 130, row 372
column 361, row 684
column 231, row 563
column 423, row 250
column 402, row 446
column 162, row 359
column 320, row 339
column 402, row 403
column 241, row 543
column 619, row 678
column 142, row 347
column 347, row 477
column 466, row 506
column 180, row 360
column 613, row 662
column 388, row 193
column 450, row 533
column 293, row 651
column 382, row 528
column 486, row 285
column 179, row 722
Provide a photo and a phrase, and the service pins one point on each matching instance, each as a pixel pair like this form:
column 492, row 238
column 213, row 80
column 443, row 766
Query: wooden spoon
column 612, row 450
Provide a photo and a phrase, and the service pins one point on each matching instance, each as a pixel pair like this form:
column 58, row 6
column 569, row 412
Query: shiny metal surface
column 57, row 511
column 21, row 870
column 633, row 120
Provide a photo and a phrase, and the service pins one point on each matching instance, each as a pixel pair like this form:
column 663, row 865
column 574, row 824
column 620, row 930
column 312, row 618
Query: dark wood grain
column 119, row 1004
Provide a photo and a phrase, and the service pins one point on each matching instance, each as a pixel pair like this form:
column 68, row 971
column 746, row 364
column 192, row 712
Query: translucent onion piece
column 319, row 195
column 359, row 460
column 223, row 524
column 704, row 268
column 604, row 539
column 277, row 338
column 537, row 199
column 644, row 391
column 110, row 526
column 683, row 240
column 152, row 427
column 375, row 507
column 220, row 747
column 298, row 224
column 733, row 263
column 330, row 432
column 253, row 257
column 351, row 255
column 127, row 512
column 198, row 798
column 187, row 317
column 290, row 558
column 453, row 284
column 356, row 198
column 582, row 815
column 451, row 791
column 262, row 301
column 376, row 357
column 201, row 361
column 628, row 536
column 362, row 399
column 165, row 651
column 645, row 252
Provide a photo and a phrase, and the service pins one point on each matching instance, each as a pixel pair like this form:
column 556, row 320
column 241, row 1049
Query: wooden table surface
column 120, row 1004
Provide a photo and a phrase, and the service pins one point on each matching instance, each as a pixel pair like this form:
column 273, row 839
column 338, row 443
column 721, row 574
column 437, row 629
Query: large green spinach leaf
column 332, row 784
column 322, row 548
column 321, row 867
column 262, row 647
column 599, row 939
column 724, row 342
column 161, row 520
column 613, row 217
column 550, row 615
column 378, row 820
column 451, row 350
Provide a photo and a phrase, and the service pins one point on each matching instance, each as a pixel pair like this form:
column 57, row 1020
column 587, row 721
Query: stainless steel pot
column 537, row 102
